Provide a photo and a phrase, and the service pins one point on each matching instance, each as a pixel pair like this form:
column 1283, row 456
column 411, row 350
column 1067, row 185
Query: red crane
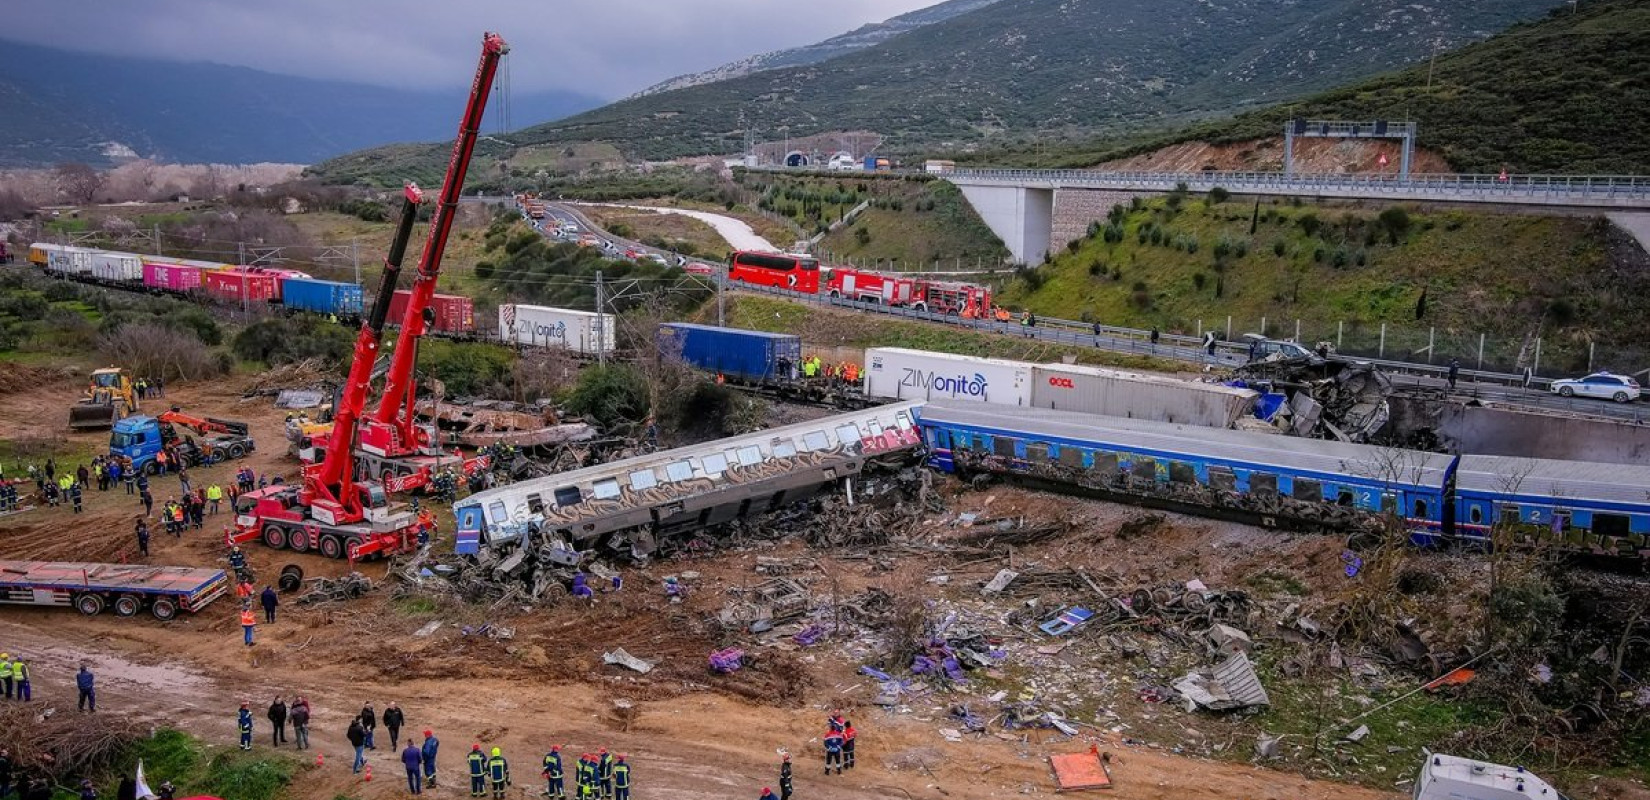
column 392, row 446
column 332, row 512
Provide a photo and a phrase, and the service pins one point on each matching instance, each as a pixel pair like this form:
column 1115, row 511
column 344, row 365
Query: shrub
column 1309, row 224
column 1072, row 245
column 1094, row 228
column 284, row 340
column 1318, row 254
column 1395, row 221
column 1218, row 195
column 467, row 368
column 1117, row 213
column 1198, row 279
column 1278, row 249
column 1097, row 268
column 1157, row 236
column 1241, row 249
column 862, row 235
column 611, row 395
column 1341, row 258
column 151, row 348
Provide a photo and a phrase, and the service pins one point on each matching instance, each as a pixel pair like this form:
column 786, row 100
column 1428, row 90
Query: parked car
column 1602, row 385
column 656, row 258
column 699, row 268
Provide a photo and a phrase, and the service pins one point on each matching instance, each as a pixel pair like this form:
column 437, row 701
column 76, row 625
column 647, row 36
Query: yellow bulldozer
column 109, row 398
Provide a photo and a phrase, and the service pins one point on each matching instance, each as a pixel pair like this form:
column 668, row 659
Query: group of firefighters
column 596, row 776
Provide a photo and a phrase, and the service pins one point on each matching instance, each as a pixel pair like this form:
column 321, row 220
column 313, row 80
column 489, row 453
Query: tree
column 1395, row 221
column 77, row 181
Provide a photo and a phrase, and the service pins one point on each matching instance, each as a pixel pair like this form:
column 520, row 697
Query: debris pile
column 330, row 590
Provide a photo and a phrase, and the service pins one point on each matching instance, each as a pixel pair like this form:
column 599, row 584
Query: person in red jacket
column 848, row 744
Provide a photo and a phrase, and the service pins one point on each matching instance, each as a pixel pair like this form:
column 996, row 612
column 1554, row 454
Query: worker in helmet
column 237, row 559
column 245, row 724
column 553, row 774
column 6, row 673
column 621, row 779
column 604, row 774
column 498, row 771
column 478, row 771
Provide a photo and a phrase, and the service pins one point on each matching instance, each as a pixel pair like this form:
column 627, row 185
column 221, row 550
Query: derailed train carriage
column 1304, row 484
column 630, row 507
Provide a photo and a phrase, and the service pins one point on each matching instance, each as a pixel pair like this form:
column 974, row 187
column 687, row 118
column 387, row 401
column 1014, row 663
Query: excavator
column 109, row 398
column 332, row 511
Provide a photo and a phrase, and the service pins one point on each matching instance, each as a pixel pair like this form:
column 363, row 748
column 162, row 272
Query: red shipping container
column 171, row 277
column 453, row 314
column 234, row 286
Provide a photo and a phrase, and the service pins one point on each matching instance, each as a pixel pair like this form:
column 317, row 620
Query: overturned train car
column 630, row 506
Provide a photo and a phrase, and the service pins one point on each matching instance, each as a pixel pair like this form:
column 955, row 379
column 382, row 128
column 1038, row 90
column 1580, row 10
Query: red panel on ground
column 1077, row 771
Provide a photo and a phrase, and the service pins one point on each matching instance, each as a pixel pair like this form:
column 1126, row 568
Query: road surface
column 738, row 234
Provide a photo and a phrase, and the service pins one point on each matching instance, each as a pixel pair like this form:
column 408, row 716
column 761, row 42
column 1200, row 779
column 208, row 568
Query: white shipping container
column 542, row 326
column 123, row 267
column 896, row 373
column 1137, row 395
column 67, row 260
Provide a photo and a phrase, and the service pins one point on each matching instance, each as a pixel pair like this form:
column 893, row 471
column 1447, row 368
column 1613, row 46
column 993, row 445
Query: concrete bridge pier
column 1023, row 217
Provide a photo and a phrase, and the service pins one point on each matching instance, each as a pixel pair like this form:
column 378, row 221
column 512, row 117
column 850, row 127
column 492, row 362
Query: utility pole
column 157, row 239
column 601, row 326
column 721, row 282
column 355, row 256
column 240, row 253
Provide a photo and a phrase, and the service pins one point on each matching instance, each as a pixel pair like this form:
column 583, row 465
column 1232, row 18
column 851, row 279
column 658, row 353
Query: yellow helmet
column 495, row 751
column 5, row 656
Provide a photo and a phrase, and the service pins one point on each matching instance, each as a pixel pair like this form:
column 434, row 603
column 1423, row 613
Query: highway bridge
column 1018, row 204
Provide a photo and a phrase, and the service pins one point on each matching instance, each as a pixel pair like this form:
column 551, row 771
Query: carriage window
column 1308, row 490
column 1343, row 498
column 902, row 421
column 1037, row 451
column 1145, row 469
column 874, row 427
column 1222, row 479
column 1389, row 503
column 568, row 496
column 1610, row 524
column 848, row 434
column 815, row 440
column 1182, row 472
column 1507, row 512
column 643, row 479
column 714, row 464
column 679, row 471
column 783, row 448
column 1263, row 484
column 1105, row 463
column 1476, row 515
column 1071, row 456
column 605, row 489
column 1421, row 509
column 535, row 504
column 497, row 514
column 1003, row 446
column 750, row 455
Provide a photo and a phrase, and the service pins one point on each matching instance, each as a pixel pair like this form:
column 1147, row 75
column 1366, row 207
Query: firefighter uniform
column 478, row 772
column 553, row 775
column 245, row 723
column 604, row 774
column 621, row 780
column 498, row 771
column 587, row 777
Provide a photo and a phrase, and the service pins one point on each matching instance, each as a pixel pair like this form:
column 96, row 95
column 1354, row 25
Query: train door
column 467, row 533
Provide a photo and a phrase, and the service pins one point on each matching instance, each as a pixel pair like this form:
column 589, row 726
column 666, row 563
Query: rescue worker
column 86, row 683
column 269, row 601
column 245, row 724
column 767, row 794
column 833, row 750
column 428, row 751
column 478, row 771
column 74, row 495
column 553, row 774
column 20, row 674
column 604, row 774
column 587, row 785
column 249, row 621
column 785, row 778
column 413, row 759
column 848, row 744
column 498, row 772
column 237, row 560
column 214, row 495
column 810, row 368
column 621, row 779
column 143, row 537
column 6, row 673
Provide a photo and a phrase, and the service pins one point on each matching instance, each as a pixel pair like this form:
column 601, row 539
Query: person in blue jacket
column 431, row 745
column 413, row 759
column 245, row 723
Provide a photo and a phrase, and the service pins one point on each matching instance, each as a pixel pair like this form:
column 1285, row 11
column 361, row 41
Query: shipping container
column 582, row 332
column 896, row 373
column 453, row 314
column 116, row 267
column 66, row 260
column 280, row 275
column 239, row 287
column 733, row 353
column 322, row 297
column 170, row 277
column 1135, row 395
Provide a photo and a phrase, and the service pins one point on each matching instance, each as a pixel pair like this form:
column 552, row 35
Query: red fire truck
column 945, row 297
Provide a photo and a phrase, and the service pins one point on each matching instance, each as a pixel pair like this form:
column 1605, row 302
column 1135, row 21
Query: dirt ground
column 696, row 735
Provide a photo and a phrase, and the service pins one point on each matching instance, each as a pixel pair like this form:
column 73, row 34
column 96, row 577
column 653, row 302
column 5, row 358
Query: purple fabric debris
column 725, row 661
column 809, row 635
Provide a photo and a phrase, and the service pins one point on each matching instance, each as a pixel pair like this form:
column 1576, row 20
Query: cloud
column 608, row 48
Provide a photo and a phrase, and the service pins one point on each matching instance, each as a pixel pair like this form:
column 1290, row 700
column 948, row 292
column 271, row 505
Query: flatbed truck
column 125, row 589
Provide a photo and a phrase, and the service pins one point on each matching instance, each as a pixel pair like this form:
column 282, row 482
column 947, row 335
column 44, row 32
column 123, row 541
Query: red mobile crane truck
column 333, row 512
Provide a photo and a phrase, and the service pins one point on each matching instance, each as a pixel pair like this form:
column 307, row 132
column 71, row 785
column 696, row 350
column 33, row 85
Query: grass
column 195, row 767
column 457, row 263
column 830, row 328
column 565, row 158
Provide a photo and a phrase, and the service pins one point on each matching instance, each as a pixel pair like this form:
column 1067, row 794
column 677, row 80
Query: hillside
column 853, row 41
column 1174, row 262
column 1047, row 66
column 65, row 106
column 1568, row 94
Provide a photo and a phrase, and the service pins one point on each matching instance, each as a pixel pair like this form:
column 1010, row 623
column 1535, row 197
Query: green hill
column 1570, row 93
column 1042, row 67
column 1343, row 271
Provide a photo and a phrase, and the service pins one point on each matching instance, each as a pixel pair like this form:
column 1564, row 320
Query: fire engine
column 945, row 297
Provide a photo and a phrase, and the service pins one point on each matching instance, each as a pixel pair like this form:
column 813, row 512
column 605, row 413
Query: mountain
column 65, row 106
column 865, row 36
column 1567, row 94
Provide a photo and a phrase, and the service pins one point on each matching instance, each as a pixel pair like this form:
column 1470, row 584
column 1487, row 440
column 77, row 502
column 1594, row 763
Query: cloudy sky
column 608, row 48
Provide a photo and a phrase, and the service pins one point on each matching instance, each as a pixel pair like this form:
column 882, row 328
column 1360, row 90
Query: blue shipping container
column 322, row 297
column 737, row 354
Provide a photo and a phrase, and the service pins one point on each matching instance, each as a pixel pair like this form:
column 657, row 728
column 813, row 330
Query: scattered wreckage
column 1324, row 396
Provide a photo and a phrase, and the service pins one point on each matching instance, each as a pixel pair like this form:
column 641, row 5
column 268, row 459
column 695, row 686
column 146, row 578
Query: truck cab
column 141, row 438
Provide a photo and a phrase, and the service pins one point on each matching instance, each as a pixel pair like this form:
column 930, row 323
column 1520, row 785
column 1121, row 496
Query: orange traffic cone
column 369, row 772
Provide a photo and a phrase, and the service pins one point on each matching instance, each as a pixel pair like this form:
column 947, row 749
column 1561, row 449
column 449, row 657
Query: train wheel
column 331, row 547
column 89, row 604
column 298, row 540
column 275, row 536
column 165, row 609
column 128, row 605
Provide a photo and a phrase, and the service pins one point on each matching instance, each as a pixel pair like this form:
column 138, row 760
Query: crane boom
column 332, row 477
column 398, row 384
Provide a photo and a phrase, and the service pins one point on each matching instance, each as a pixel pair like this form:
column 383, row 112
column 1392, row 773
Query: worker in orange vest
column 248, row 622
